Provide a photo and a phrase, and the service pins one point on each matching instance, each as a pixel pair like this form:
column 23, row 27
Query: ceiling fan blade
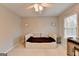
column 30, row 7
column 46, row 5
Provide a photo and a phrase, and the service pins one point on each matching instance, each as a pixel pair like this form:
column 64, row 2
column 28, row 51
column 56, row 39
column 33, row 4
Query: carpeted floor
column 21, row 51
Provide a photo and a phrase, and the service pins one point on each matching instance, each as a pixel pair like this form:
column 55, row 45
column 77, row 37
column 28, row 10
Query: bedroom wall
column 40, row 24
column 73, row 10
column 9, row 29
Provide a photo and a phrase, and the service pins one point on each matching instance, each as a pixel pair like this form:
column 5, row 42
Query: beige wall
column 74, row 9
column 9, row 29
column 40, row 24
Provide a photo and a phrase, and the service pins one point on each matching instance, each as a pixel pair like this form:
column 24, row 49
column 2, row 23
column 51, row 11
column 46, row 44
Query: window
column 70, row 26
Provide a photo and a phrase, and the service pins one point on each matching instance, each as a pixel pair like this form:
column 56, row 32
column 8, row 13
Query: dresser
column 72, row 47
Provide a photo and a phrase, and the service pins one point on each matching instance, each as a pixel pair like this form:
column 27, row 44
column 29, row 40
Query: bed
column 40, row 42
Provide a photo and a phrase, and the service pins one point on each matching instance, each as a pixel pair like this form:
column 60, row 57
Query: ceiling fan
column 38, row 7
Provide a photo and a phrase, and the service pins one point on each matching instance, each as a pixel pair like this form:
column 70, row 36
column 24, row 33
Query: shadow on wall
column 22, row 41
column 19, row 40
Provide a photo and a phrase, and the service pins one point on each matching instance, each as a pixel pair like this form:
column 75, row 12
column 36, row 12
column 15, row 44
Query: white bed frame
column 41, row 45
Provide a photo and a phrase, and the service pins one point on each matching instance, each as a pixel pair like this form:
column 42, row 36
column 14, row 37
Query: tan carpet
column 21, row 51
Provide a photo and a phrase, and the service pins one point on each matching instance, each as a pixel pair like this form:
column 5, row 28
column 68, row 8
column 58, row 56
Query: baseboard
column 10, row 49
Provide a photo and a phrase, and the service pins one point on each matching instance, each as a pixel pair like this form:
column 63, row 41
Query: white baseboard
column 10, row 49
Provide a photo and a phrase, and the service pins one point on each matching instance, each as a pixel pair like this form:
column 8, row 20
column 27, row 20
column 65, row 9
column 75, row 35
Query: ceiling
column 21, row 9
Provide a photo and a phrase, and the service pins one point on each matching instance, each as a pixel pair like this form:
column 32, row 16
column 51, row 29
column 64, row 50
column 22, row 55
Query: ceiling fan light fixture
column 36, row 7
column 40, row 8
